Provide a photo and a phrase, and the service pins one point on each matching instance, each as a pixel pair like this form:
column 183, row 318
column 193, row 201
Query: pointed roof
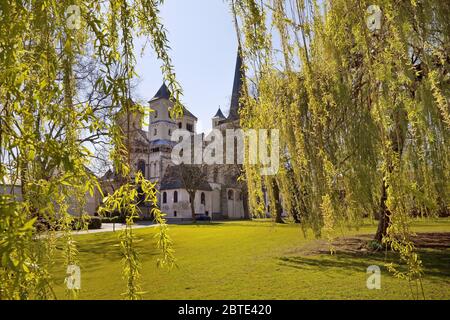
column 163, row 93
column 187, row 113
column 237, row 88
column 219, row 114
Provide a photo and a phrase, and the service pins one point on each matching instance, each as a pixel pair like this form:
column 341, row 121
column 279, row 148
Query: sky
column 203, row 51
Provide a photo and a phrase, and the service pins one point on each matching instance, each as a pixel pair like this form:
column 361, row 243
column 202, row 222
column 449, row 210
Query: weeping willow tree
column 360, row 92
column 42, row 119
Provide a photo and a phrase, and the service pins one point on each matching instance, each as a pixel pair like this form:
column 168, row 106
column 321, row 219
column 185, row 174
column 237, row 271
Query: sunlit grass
column 250, row 260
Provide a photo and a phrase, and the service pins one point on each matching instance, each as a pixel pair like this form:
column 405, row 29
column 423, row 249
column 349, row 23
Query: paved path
column 110, row 227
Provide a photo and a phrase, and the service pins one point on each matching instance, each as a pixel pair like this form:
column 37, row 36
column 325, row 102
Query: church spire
column 163, row 93
column 219, row 114
column 237, row 88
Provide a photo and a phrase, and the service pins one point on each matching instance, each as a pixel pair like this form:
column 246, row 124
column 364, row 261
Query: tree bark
column 245, row 203
column 277, row 203
column 192, row 198
column 295, row 213
column 397, row 138
column 384, row 216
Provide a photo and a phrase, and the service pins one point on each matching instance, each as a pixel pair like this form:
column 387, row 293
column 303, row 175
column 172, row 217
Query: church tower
column 160, row 131
column 161, row 125
column 217, row 118
column 229, row 195
column 219, row 121
column 238, row 85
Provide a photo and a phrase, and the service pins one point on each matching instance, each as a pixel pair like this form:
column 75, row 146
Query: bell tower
column 217, row 118
column 161, row 125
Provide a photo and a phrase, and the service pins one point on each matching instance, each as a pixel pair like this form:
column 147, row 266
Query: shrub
column 94, row 223
column 117, row 217
column 110, row 219
column 374, row 245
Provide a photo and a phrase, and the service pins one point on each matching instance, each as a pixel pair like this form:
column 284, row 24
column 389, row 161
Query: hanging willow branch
column 363, row 114
column 42, row 118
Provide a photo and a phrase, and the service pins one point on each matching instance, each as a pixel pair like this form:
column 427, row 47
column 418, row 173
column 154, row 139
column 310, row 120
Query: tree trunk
column 245, row 203
column 296, row 215
column 192, row 198
column 384, row 216
column 277, row 205
column 397, row 138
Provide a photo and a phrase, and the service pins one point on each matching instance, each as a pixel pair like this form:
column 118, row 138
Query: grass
column 249, row 260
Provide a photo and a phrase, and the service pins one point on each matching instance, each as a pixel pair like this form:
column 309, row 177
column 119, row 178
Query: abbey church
column 220, row 195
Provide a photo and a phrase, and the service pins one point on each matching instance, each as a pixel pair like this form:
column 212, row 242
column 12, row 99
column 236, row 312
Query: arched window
column 230, row 195
column 164, row 197
column 216, row 175
column 203, row 198
column 180, row 125
column 141, row 166
column 154, row 168
column 175, row 197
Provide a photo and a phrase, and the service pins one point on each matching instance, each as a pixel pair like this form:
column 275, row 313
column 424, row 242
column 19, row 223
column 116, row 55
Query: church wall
column 135, row 159
column 216, row 207
column 154, row 166
column 185, row 120
column 183, row 206
column 92, row 203
column 234, row 203
column 161, row 130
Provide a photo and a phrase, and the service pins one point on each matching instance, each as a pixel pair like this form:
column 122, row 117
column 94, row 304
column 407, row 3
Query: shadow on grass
column 98, row 251
column 436, row 262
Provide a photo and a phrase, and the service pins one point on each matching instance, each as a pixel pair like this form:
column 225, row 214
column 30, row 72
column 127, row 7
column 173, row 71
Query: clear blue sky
column 203, row 51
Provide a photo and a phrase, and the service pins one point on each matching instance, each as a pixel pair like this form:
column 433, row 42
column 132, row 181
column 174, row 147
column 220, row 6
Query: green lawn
column 250, row 260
